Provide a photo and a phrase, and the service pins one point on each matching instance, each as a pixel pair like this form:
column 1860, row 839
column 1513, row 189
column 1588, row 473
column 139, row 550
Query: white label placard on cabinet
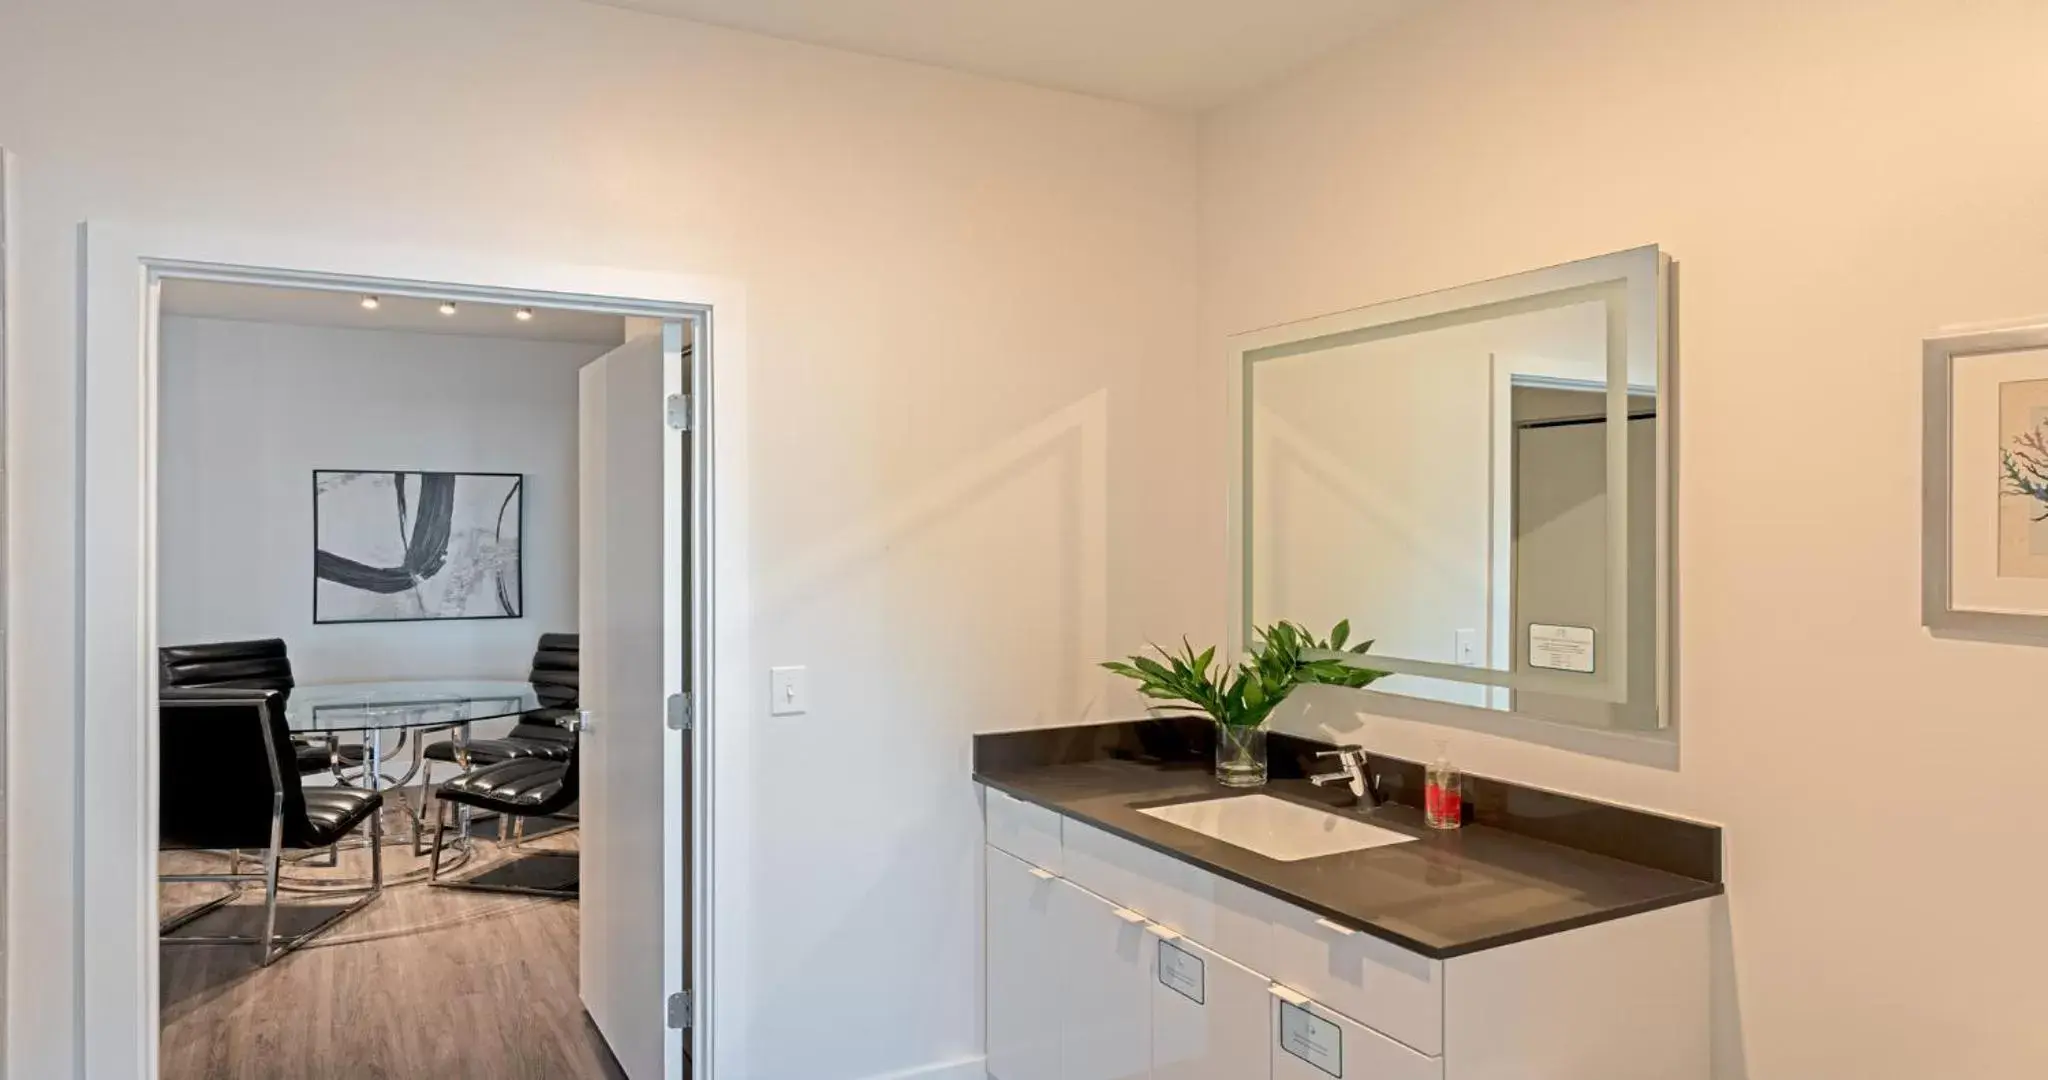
column 1183, row 972
column 1561, row 648
column 1311, row 1038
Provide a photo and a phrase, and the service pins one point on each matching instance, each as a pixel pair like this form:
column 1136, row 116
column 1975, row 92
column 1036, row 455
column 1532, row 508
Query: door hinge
column 679, row 712
column 679, row 411
column 679, row 1009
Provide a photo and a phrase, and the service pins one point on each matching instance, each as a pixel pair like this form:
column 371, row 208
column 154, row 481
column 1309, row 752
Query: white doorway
column 125, row 271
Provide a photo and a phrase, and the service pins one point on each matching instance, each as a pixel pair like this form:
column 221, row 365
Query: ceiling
column 323, row 307
column 1176, row 54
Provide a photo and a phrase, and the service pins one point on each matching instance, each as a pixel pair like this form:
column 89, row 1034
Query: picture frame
column 1984, row 482
column 397, row 545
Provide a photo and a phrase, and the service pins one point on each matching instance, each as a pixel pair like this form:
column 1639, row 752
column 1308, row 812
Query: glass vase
column 1240, row 756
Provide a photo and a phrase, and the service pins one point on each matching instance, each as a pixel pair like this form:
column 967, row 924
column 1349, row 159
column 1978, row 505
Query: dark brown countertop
column 1448, row 893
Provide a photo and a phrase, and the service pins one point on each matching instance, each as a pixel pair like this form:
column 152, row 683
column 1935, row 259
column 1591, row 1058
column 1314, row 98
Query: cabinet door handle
column 1336, row 928
column 1286, row 995
column 1042, row 874
column 1129, row 916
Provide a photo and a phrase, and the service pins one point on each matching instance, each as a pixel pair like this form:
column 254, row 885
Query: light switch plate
column 1468, row 648
column 789, row 691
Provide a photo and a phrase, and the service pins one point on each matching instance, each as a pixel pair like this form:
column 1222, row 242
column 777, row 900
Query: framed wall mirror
column 1480, row 480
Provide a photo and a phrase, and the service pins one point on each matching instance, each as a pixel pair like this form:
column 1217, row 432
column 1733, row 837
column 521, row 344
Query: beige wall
column 953, row 515
column 1836, row 179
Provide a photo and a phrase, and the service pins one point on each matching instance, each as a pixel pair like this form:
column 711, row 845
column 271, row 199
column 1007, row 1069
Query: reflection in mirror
column 1477, row 487
column 1559, row 543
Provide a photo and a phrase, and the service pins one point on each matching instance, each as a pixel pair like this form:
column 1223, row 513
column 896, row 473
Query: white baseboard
column 967, row 1068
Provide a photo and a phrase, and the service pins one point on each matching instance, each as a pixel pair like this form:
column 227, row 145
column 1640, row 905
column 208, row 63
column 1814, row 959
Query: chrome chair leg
column 434, row 853
column 419, row 830
column 270, row 891
column 464, row 815
column 377, row 851
column 272, row 856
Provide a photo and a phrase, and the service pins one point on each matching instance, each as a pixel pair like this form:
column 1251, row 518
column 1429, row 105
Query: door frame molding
column 9, row 306
column 121, row 268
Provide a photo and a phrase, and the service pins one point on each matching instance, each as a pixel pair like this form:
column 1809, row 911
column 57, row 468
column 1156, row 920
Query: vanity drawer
column 1232, row 919
column 1311, row 1042
column 1026, row 830
column 1375, row 982
column 1114, row 868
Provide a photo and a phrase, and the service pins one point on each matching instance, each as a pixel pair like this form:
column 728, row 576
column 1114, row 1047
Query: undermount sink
column 1275, row 828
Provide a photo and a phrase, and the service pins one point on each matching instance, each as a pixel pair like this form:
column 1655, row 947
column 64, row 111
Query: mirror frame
column 1644, row 276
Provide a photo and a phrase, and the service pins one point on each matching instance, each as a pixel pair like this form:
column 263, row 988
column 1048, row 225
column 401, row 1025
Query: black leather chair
column 229, row 781
column 539, row 733
column 254, row 665
column 515, row 790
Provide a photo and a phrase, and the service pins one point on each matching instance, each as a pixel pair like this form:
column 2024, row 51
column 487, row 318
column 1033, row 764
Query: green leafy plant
column 1245, row 695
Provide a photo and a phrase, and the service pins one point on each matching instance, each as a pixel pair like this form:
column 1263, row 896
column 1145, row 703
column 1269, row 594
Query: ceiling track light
column 524, row 314
column 447, row 307
column 371, row 303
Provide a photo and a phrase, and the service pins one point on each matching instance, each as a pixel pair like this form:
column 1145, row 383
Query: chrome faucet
column 1354, row 771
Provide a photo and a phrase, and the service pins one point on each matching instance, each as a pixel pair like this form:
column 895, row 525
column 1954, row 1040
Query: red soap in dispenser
column 1443, row 792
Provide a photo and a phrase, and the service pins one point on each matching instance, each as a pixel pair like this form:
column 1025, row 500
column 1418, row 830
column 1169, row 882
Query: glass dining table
column 413, row 709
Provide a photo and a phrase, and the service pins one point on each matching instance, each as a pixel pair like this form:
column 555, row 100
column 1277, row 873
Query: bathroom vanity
column 1127, row 937
column 1480, row 480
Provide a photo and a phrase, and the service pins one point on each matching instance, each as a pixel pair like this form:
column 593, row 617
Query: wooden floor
column 424, row 984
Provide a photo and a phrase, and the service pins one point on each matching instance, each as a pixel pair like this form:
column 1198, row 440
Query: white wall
column 955, row 513
column 1836, row 180
column 250, row 409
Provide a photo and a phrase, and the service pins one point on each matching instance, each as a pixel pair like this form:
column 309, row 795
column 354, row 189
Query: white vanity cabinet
column 1107, row 960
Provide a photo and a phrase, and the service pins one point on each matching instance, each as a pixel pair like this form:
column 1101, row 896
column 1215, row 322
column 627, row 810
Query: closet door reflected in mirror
column 1478, row 480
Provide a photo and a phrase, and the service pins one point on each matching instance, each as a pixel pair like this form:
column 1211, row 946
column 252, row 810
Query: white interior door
column 632, row 578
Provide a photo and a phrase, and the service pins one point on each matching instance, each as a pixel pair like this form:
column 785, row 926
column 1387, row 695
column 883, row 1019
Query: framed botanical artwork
column 394, row 546
column 1985, row 482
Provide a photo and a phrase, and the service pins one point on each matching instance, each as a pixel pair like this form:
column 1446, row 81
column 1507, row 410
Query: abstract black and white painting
column 405, row 546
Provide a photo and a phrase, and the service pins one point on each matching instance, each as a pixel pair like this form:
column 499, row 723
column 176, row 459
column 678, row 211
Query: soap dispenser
column 1443, row 792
